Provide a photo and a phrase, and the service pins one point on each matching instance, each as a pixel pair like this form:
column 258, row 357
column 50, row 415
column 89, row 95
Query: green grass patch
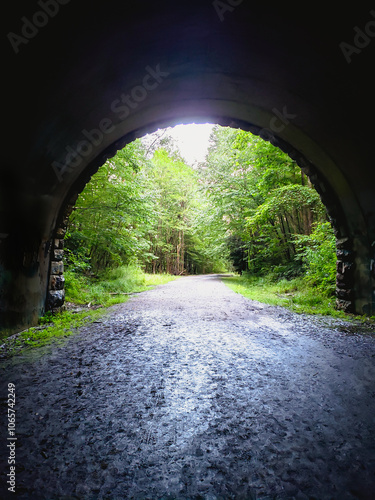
column 113, row 287
column 54, row 327
column 294, row 294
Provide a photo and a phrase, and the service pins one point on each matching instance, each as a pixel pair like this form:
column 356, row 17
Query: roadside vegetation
column 87, row 301
column 147, row 217
column 305, row 285
column 112, row 287
column 294, row 294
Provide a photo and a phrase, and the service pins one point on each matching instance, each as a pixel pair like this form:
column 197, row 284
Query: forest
column 246, row 209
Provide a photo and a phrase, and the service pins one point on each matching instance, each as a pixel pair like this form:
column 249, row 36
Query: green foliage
column 288, row 211
column 295, row 294
column 111, row 287
column 318, row 253
column 110, row 220
column 55, row 329
column 264, row 199
column 146, row 210
column 245, row 204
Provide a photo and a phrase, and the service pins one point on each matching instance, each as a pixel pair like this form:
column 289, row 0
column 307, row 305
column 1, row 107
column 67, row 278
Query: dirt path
column 190, row 391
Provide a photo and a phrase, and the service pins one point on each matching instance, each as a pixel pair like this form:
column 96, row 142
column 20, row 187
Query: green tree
column 182, row 240
column 318, row 254
column 144, row 206
column 111, row 218
column 262, row 195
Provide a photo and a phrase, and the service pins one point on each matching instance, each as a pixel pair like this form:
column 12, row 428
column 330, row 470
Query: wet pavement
column 190, row 391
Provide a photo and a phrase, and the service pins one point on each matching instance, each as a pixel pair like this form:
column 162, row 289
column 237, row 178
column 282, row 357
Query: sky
column 192, row 140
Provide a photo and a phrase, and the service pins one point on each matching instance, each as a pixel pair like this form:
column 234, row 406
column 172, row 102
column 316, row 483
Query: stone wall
column 56, row 292
column 344, row 275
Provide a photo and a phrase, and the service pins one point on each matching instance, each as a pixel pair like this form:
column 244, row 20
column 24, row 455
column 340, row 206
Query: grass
column 93, row 295
column 116, row 285
column 112, row 287
column 59, row 326
column 293, row 294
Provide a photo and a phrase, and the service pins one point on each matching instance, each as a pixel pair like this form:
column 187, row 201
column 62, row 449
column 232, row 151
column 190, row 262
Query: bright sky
column 192, row 140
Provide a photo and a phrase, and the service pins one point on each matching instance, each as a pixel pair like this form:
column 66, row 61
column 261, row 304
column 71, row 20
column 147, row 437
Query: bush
column 123, row 279
column 318, row 254
column 287, row 271
column 107, row 289
column 76, row 287
column 111, row 287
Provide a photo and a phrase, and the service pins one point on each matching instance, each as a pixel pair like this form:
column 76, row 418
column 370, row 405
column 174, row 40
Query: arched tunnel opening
column 114, row 81
column 350, row 277
column 177, row 260
column 166, row 398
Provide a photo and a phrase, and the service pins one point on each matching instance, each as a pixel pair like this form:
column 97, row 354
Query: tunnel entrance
column 279, row 73
column 247, row 161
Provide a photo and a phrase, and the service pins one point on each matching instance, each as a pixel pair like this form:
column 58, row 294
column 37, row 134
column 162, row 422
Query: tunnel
column 82, row 81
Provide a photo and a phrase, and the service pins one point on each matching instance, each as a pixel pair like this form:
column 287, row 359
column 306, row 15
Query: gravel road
column 190, row 391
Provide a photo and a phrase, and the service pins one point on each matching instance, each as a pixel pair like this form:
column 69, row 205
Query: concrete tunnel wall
column 88, row 80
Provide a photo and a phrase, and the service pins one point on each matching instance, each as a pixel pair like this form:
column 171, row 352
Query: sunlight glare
column 193, row 140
